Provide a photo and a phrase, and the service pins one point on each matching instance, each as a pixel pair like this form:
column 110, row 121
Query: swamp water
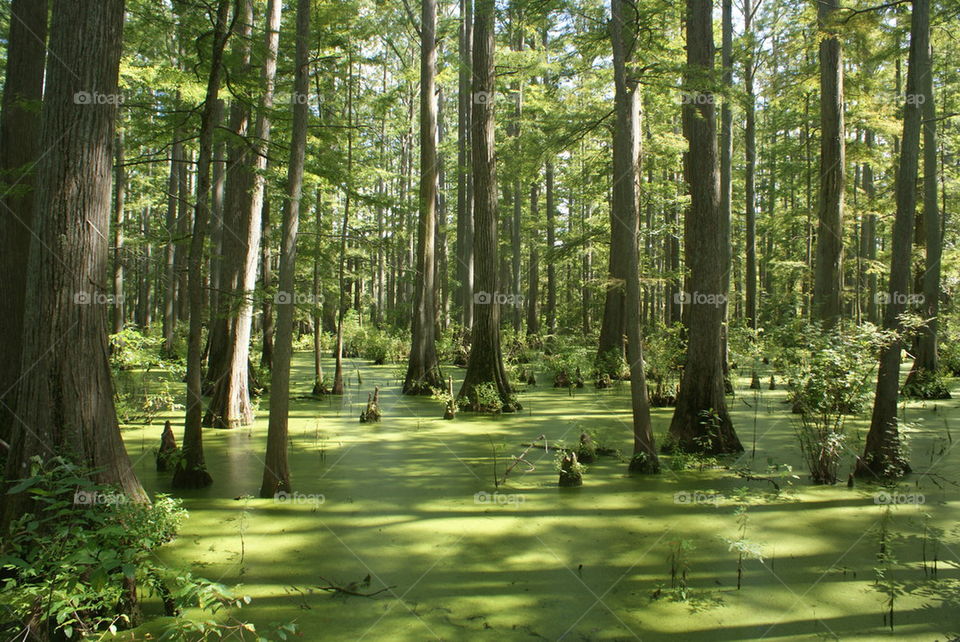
column 411, row 503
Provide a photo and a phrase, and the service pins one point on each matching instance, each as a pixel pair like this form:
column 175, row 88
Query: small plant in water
column 744, row 547
column 679, row 559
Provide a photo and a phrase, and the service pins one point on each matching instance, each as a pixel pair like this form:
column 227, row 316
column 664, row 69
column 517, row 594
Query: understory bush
column 663, row 353
column 146, row 383
column 74, row 565
column 830, row 375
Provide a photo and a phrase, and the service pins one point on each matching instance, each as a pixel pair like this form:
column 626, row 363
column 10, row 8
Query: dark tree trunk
column 65, row 396
column 828, row 272
column 551, row 311
column 191, row 469
column 485, row 364
column 926, row 362
column 533, row 280
column 423, row 369
column 626, row 152
column 19, row 147
column 701, row 388
column 276, row 471
column 884, row 454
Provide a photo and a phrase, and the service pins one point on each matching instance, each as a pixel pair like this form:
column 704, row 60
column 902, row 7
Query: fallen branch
column 744, row 475
column 350, row 588
column 517, row 460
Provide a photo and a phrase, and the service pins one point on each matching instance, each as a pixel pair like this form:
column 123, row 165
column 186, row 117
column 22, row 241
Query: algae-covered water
column 411, row 503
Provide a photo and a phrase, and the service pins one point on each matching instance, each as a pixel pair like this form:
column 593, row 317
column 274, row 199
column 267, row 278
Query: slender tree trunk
column 626, row 152
column 423, row 368
column 266, row 276
column 750, row 181
column 464, row 175
column 119, row 198
column 884, row 454
column 828, row 272
column 191, row 469
column 276, row 471
column 341, row 305
column 19, row 148
column 551, row 311
column 533, row 278
column 485, row 364
column 701, row 421
column 65, row 396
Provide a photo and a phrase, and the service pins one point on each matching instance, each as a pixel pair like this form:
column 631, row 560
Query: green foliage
column 145, row 382
column 663, row 355
column 73, row 564
column 485, row 397
column 368, row 342
column 679, row 559
column 71, row 561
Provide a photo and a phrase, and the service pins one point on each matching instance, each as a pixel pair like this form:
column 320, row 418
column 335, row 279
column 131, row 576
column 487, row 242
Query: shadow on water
column 411, row 502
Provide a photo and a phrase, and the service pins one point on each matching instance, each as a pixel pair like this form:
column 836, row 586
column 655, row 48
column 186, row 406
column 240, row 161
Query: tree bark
column 19, row 148
column 926, row 362
column 828, row 272
column 276, row 471
column 626, row 178
column 65, row 400
column 423, row 368
column 485, row 364
column 230, row 404
column 191, row 469
column 464, row 175
column 701, row 388
column 884, row 455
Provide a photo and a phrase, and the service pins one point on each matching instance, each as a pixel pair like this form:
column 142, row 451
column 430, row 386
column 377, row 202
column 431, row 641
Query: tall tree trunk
column 337, row 388
column 926, row 362
column 828, row 270
column 119, row 197
column 169, row 319
column 701, row 421
column 464, row 175
column 276, row 471
column 626, row 177
column 266, row 276
column 726, row 177
column 423, row 368
column 750, row 180
column 533, row 278
column 551, row 311
column 884, row 455
column 19, row 148
column 485, row 364
column 191, row 469
column 230, row 404
column 65, row 396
